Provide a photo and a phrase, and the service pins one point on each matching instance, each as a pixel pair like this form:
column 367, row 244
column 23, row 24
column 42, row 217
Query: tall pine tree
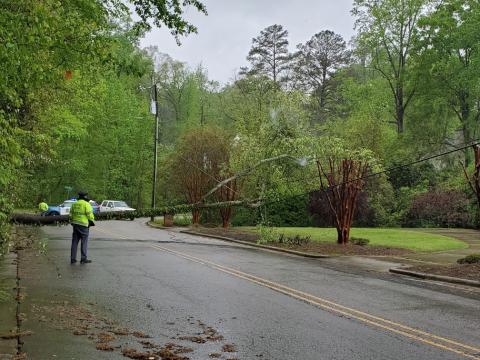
column 269, row 54
column 315, row 65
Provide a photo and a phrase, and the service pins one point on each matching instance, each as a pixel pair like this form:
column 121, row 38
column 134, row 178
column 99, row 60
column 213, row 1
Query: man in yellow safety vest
column 81, row 218
column 43, row 207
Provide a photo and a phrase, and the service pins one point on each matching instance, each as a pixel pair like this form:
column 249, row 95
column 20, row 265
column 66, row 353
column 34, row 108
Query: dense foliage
column 71, row 112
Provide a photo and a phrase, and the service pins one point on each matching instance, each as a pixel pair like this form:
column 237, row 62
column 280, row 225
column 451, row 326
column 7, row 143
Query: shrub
column 291, row 211
column 267, row 234
column 323, row 217
column 245, row 217
column 439, row 209
column 411, row 176
column 359, row 241
column 182, row 219
column 470, row 259
column 294, row 240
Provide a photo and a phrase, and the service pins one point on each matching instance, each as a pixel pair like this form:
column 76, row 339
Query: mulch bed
column 311, row 247
column 464, row 271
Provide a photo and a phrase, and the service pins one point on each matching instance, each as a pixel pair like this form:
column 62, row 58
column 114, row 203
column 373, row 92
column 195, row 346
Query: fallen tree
column 31, row 219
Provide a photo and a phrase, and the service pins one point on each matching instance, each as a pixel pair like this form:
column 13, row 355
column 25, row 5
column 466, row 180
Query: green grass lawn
column 400, row 238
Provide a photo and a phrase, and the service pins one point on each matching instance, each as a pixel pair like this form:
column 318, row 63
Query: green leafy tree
column 41, row 45
column 168, row 13
column 451, row 59
column 389, row 30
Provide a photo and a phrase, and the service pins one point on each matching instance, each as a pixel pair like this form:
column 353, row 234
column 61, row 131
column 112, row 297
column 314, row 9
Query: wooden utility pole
column 155, row 151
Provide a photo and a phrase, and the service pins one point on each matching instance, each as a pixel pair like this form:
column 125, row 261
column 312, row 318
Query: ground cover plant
column 418, row 241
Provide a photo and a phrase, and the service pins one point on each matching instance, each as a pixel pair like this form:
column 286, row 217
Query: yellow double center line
column 376, row 321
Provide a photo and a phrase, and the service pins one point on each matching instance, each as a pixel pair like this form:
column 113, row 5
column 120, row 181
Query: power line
column 206, row 173
column 398, row 167
column 402, row 166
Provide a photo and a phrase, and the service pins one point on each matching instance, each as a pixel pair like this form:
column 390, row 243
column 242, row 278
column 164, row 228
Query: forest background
column 75, row 98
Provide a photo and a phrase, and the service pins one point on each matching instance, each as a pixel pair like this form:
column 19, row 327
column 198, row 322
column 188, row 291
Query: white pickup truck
column 114, row 205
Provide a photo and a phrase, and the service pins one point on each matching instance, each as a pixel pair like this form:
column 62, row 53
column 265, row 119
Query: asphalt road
column 254, row 304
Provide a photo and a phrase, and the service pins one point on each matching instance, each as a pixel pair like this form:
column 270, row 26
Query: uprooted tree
column 342, row 182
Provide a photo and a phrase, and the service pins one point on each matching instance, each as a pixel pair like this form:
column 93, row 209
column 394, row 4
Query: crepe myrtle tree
column 342, row 173
column 228, row 192
column 342, row 181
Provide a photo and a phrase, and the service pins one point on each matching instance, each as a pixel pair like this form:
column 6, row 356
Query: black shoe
column 86, row 261
column 73, row 261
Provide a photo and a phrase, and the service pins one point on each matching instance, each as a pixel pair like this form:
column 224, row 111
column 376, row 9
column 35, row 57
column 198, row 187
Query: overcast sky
column 225, row 35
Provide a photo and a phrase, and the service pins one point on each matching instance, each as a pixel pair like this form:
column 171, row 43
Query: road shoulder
column 8, row 306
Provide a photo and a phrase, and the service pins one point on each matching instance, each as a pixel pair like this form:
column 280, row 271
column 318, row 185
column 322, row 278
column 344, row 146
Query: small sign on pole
column 153, row 107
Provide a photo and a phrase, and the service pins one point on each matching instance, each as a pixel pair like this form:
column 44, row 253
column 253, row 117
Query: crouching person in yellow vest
column 81, row 218
column 43, row 207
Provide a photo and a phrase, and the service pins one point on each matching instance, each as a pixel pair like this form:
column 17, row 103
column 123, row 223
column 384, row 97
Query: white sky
column 225, row 35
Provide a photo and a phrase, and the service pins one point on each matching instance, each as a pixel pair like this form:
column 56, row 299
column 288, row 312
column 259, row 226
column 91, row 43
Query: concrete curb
column 273, row 248
column 156, row 226
column 448, row 279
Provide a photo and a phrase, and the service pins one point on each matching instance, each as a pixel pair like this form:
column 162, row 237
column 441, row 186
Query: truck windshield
column 120, row 204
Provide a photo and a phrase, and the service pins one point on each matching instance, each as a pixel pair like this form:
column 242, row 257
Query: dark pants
column 80, row 233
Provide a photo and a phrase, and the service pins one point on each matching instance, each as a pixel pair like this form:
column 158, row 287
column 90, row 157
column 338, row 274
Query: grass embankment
column 415, row 240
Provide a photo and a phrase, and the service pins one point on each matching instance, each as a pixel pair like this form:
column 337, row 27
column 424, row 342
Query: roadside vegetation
column 417, row 241
column 378, row 132
column 178, row 220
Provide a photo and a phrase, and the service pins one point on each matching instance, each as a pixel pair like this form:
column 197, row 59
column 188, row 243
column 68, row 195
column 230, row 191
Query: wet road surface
column 262, row 305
